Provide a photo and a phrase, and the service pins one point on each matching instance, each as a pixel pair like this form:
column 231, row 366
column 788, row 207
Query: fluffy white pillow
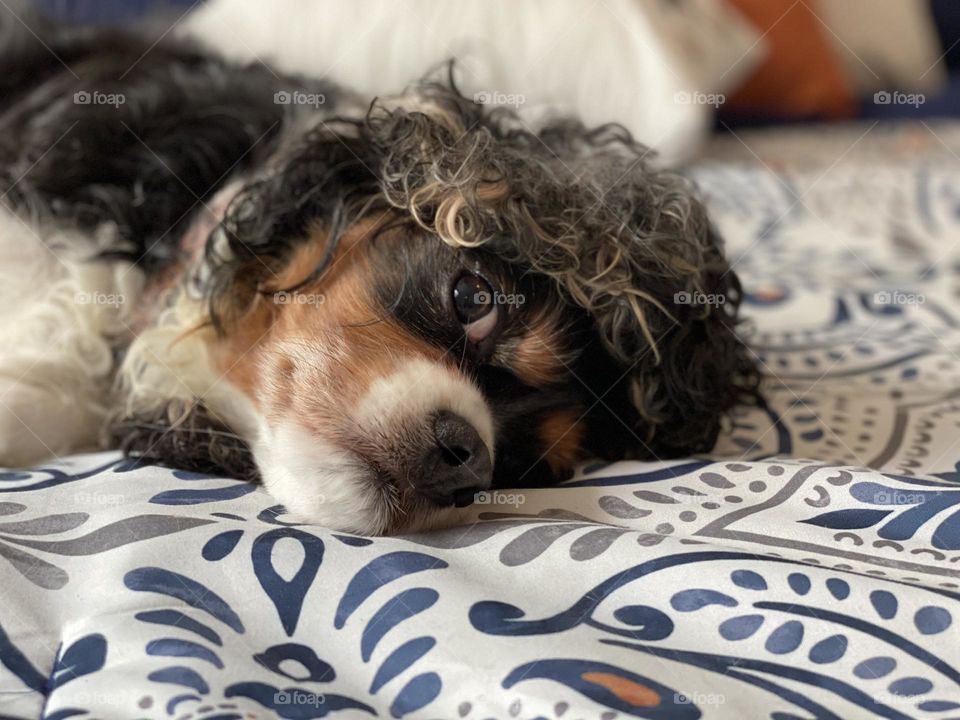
column 658, row 68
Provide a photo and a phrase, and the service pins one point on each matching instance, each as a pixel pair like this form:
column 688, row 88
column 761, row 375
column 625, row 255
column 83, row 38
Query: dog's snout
column 457, row 466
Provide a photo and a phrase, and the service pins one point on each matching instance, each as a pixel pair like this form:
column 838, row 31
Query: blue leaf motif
column 697, row 598
column 179, row 675
column 947, row 534
column 885, row 603
column 194, row 594
column 851, row 519
column 287, row 596
column 875, row 667
column 17, row 663
column 786, row 638
column 175, row 618
column 799, row 583
column 416, row 694
column 399, row 660
column 205, row 495
column 748, row 579
column 829, row 649
column 910, row 686
column 840, row 589
column 219, row 546
column 379, row 572
column 85, row 656
column 395, row 611
column 741, row 627
column 174, row 647
column 931, row 620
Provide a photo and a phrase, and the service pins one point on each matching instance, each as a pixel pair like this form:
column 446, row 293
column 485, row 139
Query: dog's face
column 410, row 376
column 432, row 300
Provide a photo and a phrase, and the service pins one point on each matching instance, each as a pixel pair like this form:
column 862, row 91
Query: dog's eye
column 474, row 302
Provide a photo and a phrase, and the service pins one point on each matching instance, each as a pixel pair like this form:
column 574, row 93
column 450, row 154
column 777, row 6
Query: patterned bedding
column 810, row 569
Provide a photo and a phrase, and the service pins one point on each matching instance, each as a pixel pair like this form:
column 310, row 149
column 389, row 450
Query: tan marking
column 536, row 359
column 560, row 439
column 318, row 350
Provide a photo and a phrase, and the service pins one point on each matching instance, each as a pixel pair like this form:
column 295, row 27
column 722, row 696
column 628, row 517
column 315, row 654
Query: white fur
column 166, row 362
column 316, row 481
column 332, row 486
column 64, row 318
column 57, row 362
column 417, row 390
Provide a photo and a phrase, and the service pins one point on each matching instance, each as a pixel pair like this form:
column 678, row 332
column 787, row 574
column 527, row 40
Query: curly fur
column 584, row 207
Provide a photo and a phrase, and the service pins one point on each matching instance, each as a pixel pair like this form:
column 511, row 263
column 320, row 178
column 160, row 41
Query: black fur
column 188, row 122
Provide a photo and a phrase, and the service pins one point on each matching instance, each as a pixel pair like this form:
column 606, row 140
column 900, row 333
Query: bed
column 809, row 568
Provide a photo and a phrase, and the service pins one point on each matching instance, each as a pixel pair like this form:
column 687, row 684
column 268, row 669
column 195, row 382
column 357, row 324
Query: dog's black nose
column 457, row 466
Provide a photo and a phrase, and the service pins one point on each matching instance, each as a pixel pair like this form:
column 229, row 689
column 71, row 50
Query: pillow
column 715, row 45
column 625, row 61
column 801, row 75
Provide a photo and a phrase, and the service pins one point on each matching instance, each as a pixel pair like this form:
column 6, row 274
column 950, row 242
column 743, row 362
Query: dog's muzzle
column 456, row 466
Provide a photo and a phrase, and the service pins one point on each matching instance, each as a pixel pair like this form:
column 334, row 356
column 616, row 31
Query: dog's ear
column 700, row 368
column 317, row 186
column 631, row 243
column 663, row 297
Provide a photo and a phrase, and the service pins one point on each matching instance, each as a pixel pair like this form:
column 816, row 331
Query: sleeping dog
column 378, row 309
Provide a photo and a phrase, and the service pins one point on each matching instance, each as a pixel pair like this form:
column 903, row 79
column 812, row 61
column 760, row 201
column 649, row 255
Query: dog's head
column 433, row 300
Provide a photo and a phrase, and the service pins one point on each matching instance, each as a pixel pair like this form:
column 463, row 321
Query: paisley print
column 809, row 568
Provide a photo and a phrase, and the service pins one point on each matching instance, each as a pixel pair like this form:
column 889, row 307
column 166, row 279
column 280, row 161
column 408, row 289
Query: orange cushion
column 802, row 76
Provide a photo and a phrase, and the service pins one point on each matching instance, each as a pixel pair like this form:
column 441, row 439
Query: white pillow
column 654, row 68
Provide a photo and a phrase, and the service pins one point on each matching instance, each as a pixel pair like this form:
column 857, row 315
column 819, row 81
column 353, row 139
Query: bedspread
column 807, row 569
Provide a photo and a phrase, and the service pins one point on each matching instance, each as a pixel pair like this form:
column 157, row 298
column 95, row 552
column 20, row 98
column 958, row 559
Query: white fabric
column 654, row 67
column 809, row 570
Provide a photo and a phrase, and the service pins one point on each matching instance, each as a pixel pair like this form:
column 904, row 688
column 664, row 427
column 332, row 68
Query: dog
column 376, row 308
